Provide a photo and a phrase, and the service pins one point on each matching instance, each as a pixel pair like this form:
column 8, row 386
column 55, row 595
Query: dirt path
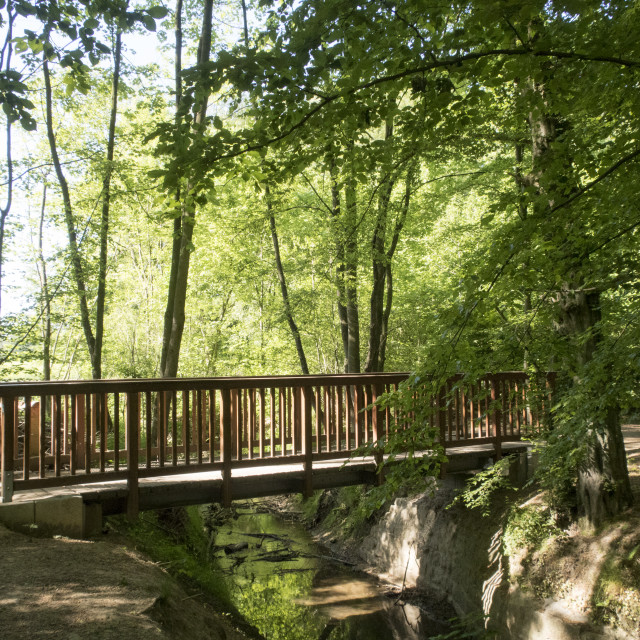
column 74, row 590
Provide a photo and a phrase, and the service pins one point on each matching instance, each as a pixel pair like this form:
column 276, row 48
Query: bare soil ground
column 74, row 590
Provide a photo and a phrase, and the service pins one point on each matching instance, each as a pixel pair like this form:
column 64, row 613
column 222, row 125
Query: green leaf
column 158, row 12
column 149, row 23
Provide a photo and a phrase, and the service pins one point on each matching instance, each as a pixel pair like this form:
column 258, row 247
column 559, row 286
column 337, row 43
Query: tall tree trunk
column 174, row 321
column 76, row 261
column 603, row 478
column 106, row 203
column 295, row 332
column 177, row 222
column 44, row 294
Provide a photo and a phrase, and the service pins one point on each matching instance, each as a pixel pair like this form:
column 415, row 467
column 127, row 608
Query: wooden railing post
column 133, row 428
column 496, row 415
column 8, row 419
column 307, row 403
column 375, row 427
column 225, row 445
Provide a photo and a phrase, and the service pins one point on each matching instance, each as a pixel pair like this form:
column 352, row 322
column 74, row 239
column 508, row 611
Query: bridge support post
column 307, row 403
column 133, row 429
column 225, row 445
column 8, row 426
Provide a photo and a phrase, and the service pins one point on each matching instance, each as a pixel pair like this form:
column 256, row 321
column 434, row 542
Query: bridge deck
column 249, row 482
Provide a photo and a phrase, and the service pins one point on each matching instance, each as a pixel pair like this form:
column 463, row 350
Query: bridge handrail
column 85, row 433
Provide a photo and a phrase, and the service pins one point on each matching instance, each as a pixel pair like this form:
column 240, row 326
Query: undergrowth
column 175, row 539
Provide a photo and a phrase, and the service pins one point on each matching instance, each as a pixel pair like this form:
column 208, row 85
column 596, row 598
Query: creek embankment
column 529, row 578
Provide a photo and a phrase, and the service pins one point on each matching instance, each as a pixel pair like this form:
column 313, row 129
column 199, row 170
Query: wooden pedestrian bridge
column 120, row 446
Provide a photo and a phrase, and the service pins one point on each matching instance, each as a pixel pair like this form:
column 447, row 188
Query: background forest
column 242, row 188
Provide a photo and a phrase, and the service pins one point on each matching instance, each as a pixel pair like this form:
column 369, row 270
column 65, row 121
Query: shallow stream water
column 290, row 588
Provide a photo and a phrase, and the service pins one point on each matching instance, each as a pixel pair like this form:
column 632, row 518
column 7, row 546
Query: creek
column 290, row 588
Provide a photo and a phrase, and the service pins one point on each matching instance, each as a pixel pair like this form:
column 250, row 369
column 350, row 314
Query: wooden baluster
column 245, row 422
column 252, row 421
column 487, row 407
column 174, row 428
column 327, row 419
column 272, row 417
column 307, row 403
column 347, row 418
column 212, row 423
column 88, row 445
column 73, row 435
column 463, row 411
column 289, row 420
column 368, row 434
column 65, row 425
column 237, row 421
column 200, row 421
column 56, row 426
column 376, row 433
column 148, row 428
column 94, row 424
column 295, row 419
column 356, row 413
column 132, row 423
column 339, row 419
column 8, row 437
column 387, row 415
column 161, row 399
column 42, row 436
column 318, row 401
column 282, row 404
column 186, row 431
column 80, row 428
column 103, row 426
column 262, row 423
column 225, row 445
column 26, row 451
column 116, row 431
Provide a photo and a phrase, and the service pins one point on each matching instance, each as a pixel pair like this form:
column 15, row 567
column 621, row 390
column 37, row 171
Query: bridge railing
column 64, row 433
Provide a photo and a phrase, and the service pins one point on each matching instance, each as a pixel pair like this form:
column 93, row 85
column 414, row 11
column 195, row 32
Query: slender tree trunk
column 379, row 268
column 245, row 24
column 340, row 261
column 175, row 326
column 399, row 226
column 4, row 211
column 351, row 277
column 295, row 332
column 76, row 261
column 521, row 185
column 106, row 203
column 44, row 293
